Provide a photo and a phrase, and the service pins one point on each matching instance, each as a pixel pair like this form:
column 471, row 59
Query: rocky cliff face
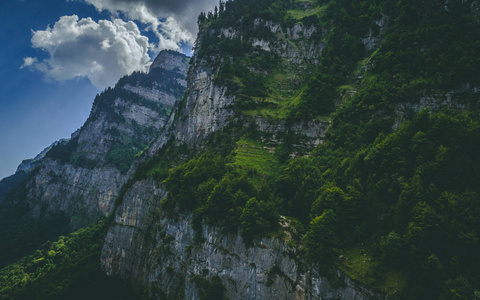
column 166, row 255
column 208, row 104
column 83, row 176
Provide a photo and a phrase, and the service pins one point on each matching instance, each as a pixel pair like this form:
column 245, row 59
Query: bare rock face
column 81, row 192
column 295, row 44
column 206, row 109
column 170, row 60
column 83, row 176
column 165, row 255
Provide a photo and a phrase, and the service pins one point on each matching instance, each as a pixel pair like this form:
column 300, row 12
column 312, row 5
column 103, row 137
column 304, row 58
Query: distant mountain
column 82, row 177
column 78, row 180
column 24, row 169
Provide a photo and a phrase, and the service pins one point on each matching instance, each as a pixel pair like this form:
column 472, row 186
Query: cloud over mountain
column 103, row 51
column 173, row 21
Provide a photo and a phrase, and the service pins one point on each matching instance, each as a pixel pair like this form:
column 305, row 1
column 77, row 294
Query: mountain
column 321, row 149
column 27, row 165
column 79, row 179
column 82, row 177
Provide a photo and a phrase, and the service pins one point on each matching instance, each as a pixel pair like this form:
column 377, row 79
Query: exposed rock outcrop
column 164, row 254
column 170, row 60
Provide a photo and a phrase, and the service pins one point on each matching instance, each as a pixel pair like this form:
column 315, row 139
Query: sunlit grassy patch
column 364, row 268
column 285, row 91
column 256, row 159
column 302, row 13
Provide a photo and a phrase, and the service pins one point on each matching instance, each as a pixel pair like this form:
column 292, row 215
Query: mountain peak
column 169, row 60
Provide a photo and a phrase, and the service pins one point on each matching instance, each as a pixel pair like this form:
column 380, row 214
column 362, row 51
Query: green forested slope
column 393, row 203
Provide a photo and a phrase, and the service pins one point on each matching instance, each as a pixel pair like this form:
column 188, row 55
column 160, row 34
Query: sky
column 56, row 55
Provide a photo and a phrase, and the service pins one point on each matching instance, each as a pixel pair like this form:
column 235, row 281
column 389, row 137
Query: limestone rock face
column 164, row 255
column 206, row 108
column 170, row 60
column 295, row 44
column 80, row 192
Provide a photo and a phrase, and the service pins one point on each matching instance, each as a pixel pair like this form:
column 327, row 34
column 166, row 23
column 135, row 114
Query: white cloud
column 179, row 17
column 103, row 51
column 28, row 61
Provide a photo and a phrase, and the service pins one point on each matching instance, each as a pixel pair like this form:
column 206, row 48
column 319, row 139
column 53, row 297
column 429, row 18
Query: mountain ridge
column 77, row 180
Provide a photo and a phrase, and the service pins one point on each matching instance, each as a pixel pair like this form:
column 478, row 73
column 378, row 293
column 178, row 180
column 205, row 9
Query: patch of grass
column 394, row 282
column 362, row 267
column 299, row 14
column 359, row 265
column 256, row 159
column 306, row 1
column 346, row 91
column 286, row 88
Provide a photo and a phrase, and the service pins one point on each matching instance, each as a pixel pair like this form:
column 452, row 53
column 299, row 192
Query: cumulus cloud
column 28, row 61
column 173, row 21
column 103, row 51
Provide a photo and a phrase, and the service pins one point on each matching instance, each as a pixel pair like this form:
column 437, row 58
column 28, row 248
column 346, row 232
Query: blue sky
column 57, row 55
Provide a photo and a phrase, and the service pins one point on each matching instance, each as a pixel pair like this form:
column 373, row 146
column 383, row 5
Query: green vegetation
column 391, row 197
column 299, row 14
column 68, row 268
column 228, row 185
column 400, row 207
column 361, row 266
column 410, row 196
column 21, row 234
column 321, row 238
column 209, row 289
column 256, row 159
column 285, row 92
column 271, row 86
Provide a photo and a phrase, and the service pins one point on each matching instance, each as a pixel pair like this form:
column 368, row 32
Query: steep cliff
column 361, row 84
column 165, row 254
column 162, row 251
column 278, row 57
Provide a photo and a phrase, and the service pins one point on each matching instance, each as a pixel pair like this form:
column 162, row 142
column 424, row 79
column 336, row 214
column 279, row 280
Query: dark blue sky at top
column 35, row 111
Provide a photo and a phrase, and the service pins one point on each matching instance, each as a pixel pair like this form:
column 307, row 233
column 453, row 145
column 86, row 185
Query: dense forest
column 392, row 202
column 65, row 269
